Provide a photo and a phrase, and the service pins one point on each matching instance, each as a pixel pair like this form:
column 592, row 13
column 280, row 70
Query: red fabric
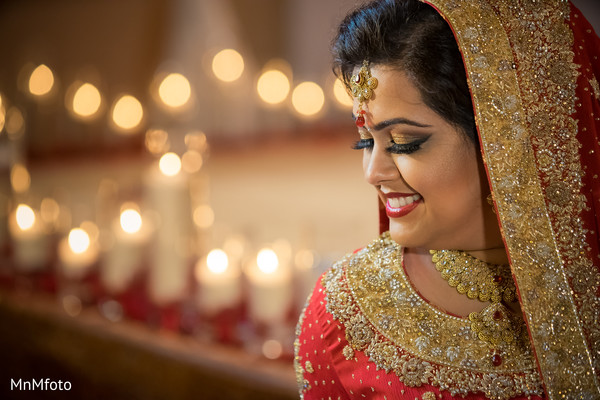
column 321, row 342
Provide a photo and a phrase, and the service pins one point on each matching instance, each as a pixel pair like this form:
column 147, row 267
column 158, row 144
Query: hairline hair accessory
column 362, row 85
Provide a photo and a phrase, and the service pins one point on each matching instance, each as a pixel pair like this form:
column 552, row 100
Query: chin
column 404, row 238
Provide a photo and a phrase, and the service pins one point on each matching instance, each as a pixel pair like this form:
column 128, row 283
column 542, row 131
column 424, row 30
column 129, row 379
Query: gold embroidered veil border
column 522, row 118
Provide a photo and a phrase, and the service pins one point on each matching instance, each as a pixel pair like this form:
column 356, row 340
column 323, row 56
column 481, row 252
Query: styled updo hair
column 410, row 36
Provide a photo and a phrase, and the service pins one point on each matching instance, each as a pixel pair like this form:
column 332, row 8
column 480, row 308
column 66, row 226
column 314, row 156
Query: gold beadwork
column 400, row 332
column 473, row 277
column 363, row 83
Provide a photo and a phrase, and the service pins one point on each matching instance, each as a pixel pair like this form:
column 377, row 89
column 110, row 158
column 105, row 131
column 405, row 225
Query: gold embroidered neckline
column 368, row 292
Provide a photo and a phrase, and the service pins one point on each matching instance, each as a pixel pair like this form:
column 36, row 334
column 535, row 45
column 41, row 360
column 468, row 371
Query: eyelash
column 395, row 148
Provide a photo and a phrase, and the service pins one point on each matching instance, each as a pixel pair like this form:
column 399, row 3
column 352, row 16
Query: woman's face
column 427, row 173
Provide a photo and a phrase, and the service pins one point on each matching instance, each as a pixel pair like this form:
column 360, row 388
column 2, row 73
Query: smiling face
column 426, row 171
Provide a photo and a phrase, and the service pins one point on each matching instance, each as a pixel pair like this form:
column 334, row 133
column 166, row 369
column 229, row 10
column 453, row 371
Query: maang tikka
column 362, row 85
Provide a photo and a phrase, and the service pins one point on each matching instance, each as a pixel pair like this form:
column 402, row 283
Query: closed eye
column 407, row 148
column 363, row 144
column 394, row 148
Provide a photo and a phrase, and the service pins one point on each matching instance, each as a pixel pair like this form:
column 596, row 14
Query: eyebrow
column 396, row 121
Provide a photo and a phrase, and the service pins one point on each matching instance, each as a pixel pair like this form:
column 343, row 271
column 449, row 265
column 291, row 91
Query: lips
column 399, row 204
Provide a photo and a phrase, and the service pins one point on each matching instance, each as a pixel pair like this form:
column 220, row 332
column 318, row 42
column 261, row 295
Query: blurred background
column 174, row 176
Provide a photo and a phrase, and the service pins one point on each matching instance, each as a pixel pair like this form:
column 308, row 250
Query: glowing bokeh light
column 308, row 98
column 79, row 240
column 196, row 141
column 170, row 164
column 175, row 90
column 341, row 94
column 273, row 86
column 157, row 141
column 217, row 261
column 272, row 349
column 131, row 220
column 191, row 161
column 41, row 80
column 49, row 210
column 127, row 112
column 204, row 216
column 20, row 178
column 25, row 217
column 267, row 261
column 87, row 100
column 228, row 65
column 91, row 229
column 15, row 123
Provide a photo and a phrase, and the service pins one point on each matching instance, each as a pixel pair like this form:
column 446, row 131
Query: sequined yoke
column 367, row 327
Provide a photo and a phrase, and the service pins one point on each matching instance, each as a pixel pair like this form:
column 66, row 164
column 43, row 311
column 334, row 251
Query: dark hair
column 413, row 37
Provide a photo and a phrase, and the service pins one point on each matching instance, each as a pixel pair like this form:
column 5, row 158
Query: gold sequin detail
column 303, row 384
column 401, row 333
column 308, row 367
column 428, row 396
column 595, row 87
column 348, row 352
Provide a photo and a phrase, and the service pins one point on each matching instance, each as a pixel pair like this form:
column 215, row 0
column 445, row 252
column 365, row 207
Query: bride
column 478, row 121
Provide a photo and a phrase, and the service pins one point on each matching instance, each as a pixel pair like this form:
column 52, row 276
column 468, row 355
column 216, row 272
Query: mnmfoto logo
column 40, row 384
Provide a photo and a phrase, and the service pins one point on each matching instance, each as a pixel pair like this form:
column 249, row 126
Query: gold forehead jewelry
column 477, row 279
column 362, row 85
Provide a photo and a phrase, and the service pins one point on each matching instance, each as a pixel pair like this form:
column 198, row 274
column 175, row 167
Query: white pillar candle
column 77, row 253
column 219, row 283
column 31, row 244
column 270, row 294
column 167, row 193
column 124, row 259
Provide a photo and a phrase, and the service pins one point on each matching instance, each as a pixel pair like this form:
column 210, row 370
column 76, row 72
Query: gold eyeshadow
column 364, row 134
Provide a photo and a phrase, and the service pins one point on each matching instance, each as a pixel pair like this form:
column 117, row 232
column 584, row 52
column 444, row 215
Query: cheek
column 443, row 180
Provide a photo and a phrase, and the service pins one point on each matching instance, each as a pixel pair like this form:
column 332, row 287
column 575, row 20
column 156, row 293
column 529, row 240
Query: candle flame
column 25, row 217
column 79, row 240
column 131, row 220
column 267, row 261
column 217, row 261
column 170, row 164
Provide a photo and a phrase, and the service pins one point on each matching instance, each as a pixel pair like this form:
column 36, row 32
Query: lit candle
column 31, row 243
column 124, row 259
column 270, row 296
column 168, row 194
column 219, row 283
column 77, row 253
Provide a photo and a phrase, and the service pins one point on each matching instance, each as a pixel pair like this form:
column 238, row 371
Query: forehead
column 394, row 93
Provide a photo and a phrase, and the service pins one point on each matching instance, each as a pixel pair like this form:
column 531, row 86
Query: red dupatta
column 533, row 72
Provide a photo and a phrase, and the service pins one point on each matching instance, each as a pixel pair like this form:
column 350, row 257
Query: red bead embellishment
column 497, row 316
column 360, row 121
column 497, row 279
column 496, row 360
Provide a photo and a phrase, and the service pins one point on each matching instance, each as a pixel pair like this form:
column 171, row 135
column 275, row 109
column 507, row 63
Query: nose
column 379, row 166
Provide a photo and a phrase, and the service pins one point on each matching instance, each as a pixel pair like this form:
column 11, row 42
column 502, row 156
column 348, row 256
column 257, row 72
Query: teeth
column 397, row 202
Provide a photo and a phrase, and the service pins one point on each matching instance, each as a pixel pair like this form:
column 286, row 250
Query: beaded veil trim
column 386, row 319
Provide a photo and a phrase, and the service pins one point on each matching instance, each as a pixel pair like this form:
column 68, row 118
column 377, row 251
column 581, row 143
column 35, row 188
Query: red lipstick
column 400, row 204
